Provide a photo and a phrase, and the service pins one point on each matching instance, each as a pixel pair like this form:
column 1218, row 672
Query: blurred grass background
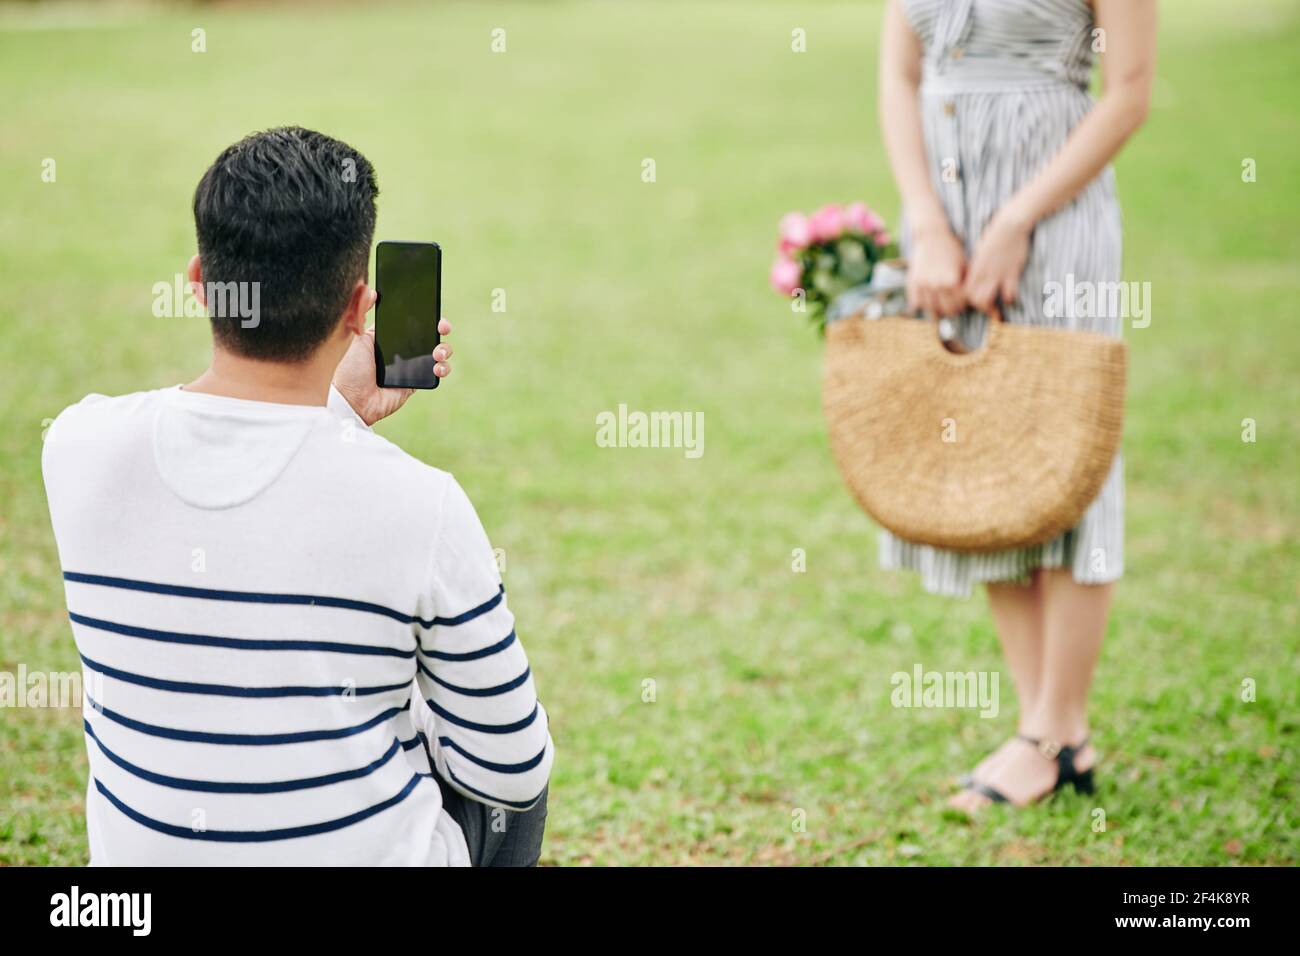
column 626, row 565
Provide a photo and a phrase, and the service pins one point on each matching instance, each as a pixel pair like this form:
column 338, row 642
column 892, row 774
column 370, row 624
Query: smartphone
column 408, row 278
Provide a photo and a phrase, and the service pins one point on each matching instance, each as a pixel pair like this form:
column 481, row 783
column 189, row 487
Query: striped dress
column 1004, row 82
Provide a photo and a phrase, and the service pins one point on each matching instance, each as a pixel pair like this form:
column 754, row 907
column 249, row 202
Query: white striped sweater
column 286, row 623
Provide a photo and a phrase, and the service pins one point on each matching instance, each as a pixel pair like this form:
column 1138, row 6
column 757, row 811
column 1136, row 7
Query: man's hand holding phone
column 355, row 376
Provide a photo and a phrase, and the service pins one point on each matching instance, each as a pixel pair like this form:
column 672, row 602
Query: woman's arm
column 1127, row 68
column 934, row 273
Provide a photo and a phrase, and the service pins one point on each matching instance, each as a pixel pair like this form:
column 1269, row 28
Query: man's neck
column 284, row 383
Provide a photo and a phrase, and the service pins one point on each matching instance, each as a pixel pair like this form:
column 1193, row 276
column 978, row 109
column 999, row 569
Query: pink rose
column 827, row 223
column 785, row 275
column 882, row 237
column 795, row 233
column 860, row 218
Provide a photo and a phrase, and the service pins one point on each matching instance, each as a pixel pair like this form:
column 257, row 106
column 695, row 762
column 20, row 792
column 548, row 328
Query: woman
column 1002, row 161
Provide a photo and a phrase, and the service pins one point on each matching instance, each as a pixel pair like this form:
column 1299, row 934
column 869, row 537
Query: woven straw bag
column 1003, row 447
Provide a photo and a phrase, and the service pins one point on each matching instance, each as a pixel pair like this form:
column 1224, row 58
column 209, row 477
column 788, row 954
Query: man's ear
column 359, row 303
column 194, row 272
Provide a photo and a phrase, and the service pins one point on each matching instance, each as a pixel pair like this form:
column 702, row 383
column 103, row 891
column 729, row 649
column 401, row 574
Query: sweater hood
column 218, row 452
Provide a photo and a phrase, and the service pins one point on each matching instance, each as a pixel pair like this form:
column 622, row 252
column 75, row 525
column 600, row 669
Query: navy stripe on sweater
column 246, row 740
column 499, row 689
column 257, row 597
column 229, row 690
column 238, row 643
column 259, row 836
column 524, row 767
column 212, row 786
column 415, row 741
column 482, row 728
column 488, row 651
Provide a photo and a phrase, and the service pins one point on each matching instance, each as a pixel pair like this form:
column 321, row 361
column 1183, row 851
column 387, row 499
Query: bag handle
column 994, row 312
column 951, row 342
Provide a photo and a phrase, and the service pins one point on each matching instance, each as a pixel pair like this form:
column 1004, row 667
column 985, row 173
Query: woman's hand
column 999, row 260
column 355, row 376
column 934, row 272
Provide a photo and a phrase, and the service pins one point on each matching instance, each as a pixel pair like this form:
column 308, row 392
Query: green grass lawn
column 627, row 565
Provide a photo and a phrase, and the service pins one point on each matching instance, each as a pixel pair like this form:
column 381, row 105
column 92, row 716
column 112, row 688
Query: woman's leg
column 1074, row 623
column 1017, row 609
column 1018, row 616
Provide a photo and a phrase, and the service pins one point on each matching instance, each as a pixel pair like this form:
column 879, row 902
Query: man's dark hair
column 292, row 210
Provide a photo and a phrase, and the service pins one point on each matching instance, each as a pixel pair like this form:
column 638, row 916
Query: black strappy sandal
column 1063, row 754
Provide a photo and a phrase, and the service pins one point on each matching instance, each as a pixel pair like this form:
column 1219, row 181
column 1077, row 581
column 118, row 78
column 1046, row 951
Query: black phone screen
column 408, row 278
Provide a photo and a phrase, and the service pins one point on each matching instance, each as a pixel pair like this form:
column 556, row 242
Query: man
column 257, row 583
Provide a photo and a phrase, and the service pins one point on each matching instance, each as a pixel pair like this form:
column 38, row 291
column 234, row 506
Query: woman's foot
column 991, row 760
column 1023, row 774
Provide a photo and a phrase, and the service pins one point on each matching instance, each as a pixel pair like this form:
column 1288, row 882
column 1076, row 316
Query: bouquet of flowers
column 824, row 255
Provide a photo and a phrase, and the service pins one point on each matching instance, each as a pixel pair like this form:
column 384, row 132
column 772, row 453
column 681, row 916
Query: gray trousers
column 497, row 837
